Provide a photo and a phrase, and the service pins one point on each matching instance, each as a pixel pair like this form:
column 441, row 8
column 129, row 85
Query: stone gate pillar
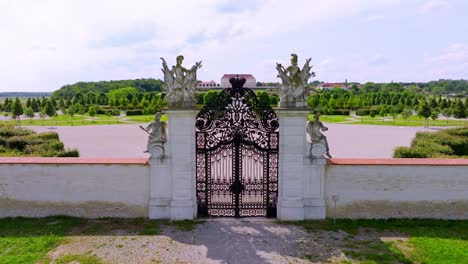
column 301, row 178
column 172, row 178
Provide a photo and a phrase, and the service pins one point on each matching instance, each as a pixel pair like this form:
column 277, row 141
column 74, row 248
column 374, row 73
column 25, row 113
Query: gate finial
column 237, row 82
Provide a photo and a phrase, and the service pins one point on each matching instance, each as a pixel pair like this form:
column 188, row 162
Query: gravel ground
column 225, row 241
column 129, row 141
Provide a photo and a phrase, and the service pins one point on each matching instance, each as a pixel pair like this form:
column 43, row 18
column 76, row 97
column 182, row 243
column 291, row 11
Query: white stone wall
column 83, row 190
column 397, row 191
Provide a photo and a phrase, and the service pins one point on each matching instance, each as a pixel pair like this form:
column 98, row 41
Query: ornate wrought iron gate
column 237, row 155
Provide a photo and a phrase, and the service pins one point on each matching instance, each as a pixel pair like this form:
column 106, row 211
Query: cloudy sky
column 48, row 43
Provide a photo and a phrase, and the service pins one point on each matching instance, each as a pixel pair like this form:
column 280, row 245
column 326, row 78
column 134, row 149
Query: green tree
column 211, row 98
column 135, row 101
column 50, row 110
column 384, row 109
column 92, row 111
column 424, row 111
column 406, row 113
column 373, row 112
column 34, row 105
column 29, row 113
column 434, row 116
column 17, row 110
column 71, row 112
column 459, row 110
column 447, row 112
column 42, row 115
column 263, row 99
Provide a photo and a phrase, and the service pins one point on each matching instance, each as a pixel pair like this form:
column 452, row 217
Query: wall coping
column 425, row 162
column 42, row 160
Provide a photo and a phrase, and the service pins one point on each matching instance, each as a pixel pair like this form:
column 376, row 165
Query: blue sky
column 49, row 43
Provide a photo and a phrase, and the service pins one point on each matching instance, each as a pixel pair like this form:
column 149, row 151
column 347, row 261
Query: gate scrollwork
column 237, row 155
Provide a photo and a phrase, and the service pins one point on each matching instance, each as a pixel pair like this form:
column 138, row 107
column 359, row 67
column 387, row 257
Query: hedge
column 134, row 112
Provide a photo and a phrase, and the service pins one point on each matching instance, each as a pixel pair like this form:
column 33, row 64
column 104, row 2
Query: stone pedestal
column 300, row 177
column 172, row 178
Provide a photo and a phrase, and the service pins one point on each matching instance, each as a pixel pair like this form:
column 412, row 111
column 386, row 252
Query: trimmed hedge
column 338, row 112
column 16, row 142
column 134, row 112
column 363, row 112
column 449, row 143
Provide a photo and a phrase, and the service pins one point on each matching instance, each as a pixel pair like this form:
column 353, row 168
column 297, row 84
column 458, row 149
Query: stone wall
column 397, row 188
column 372, row 188
column 36, row 187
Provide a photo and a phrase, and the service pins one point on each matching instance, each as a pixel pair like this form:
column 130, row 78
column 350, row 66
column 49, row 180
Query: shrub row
column 134, row 112
column 23, row 142
column 451, row 143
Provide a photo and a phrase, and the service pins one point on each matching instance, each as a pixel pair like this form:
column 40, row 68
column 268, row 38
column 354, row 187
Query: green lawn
column 144, row 118
column 77, row 120
column 430, row 241
column 388, row 121
column 64, row 120
column 27, row 240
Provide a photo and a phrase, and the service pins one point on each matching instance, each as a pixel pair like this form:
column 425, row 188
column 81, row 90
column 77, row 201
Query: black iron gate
column 237, row 155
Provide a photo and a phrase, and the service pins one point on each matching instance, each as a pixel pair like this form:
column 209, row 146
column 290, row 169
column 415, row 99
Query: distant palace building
column 251, row 82
column 207, row 84
column 331, row 86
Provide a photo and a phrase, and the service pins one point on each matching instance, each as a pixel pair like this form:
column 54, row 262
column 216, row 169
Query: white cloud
column 434, row 5
column 450, row 63
column 48, row 43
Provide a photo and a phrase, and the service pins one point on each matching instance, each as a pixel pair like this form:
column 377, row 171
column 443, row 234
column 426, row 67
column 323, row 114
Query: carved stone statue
column 180, row 84
column 318, row 141
column 294, row 90
column 157, row 136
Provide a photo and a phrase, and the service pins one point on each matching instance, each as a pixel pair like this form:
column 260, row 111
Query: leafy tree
column 373, row 112
column 406, row 113
column 447, row 112
column 263, row 99
column 384, row 109
column 17, row 110
column 34, row 105
column 92, row 111
column 424, row 111
column 42, row 115
column 50, row 109
column 210, row 98
column 135, row 101
column 434, row 116
column 71, row 112
column 29, row 113
column 460, row 110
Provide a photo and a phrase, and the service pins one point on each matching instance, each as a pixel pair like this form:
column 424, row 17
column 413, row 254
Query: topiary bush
column 134, row 112
column 23, row 142
column 449, row 143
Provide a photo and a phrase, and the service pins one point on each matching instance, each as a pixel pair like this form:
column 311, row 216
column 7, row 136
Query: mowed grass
column 430, row 241
column 27, row 240
column 411, row 121
column 77, row 120
column 388, row 120
column 64, row 120
column 144, row 118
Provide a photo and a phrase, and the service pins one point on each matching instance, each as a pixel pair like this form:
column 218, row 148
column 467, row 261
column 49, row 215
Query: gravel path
column 221, row 241
column 345, row 140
